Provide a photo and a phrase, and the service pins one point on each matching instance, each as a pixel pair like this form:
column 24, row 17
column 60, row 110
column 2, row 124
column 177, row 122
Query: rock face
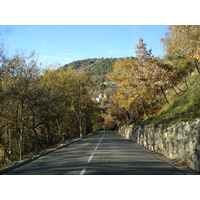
column 180, row 141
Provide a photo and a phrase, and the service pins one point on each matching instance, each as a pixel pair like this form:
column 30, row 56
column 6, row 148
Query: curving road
column 104, row 153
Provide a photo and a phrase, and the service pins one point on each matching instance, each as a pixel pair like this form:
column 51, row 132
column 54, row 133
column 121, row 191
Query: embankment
column 180, row 141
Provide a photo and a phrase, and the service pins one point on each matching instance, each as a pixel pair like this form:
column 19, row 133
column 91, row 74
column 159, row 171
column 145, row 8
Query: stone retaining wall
column 180, row 141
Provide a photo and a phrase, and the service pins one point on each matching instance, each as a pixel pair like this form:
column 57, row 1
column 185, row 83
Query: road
column 104, row 153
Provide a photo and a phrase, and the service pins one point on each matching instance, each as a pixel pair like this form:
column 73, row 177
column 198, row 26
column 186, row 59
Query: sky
column 67, row 43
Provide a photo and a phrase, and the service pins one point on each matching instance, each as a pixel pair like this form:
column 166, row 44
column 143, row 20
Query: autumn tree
column 141, row 80
column 71, row 99
column 182, row 43
column 37, row 107
column 141, row 51
column 131, row 91
column 18, row 74
column 119, row 114
column 156, row 72
column 109, row 122
column 81, row 104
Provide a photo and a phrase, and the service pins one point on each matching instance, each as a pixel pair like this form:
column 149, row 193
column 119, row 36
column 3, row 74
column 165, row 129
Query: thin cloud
column 45, row 59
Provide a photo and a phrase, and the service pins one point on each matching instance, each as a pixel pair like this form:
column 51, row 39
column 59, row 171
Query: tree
column 109, row 122
column 37, row 107
column 142, row 53
column 18, row 75
column 119, row 114
column 130, row 78
column 182, row 42
column 82, row 105
column 141, row 80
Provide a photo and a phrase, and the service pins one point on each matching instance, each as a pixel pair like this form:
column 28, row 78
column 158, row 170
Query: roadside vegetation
column 184, row 107
column 39, row 108
column 151, row 89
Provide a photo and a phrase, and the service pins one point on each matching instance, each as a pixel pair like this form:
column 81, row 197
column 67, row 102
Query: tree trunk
column 174, row 90
column 37, row 139
column 80, row 111
column 196, row 64
column 48, row 133
column 188, row 79
column 10, row 143
column 143, row 106
column 164, row 94
column 128, row 115
column 59, row 127
column 138, row 111
column 185, row 81
column 85, row 127
column 20, row 141
column 179, row 88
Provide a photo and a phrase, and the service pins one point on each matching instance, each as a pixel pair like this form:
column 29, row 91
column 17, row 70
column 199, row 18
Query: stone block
column 181, row 141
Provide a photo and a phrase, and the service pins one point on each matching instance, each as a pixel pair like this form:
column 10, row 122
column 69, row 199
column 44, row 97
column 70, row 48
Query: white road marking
column 99, row 143
column 83, row 171
column 90, row 158
column 96, row 148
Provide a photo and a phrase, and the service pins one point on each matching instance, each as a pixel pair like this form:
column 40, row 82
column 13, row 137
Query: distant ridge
column 96, row 68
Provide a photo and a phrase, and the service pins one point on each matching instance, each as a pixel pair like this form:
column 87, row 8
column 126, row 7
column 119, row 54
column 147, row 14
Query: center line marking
column 98, row 143
column 83, row 171
column 96, row 148
column 89, row 160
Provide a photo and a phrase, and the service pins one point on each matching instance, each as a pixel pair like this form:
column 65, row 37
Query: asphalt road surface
column 104, row 153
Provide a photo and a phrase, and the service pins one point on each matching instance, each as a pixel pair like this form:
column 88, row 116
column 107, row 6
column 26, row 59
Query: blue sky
column 67, row 43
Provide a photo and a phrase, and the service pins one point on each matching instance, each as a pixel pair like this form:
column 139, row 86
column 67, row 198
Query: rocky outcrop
column 180, row 141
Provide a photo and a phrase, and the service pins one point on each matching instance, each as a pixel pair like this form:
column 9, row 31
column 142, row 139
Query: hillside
column 183, row 107
column 96, row 68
